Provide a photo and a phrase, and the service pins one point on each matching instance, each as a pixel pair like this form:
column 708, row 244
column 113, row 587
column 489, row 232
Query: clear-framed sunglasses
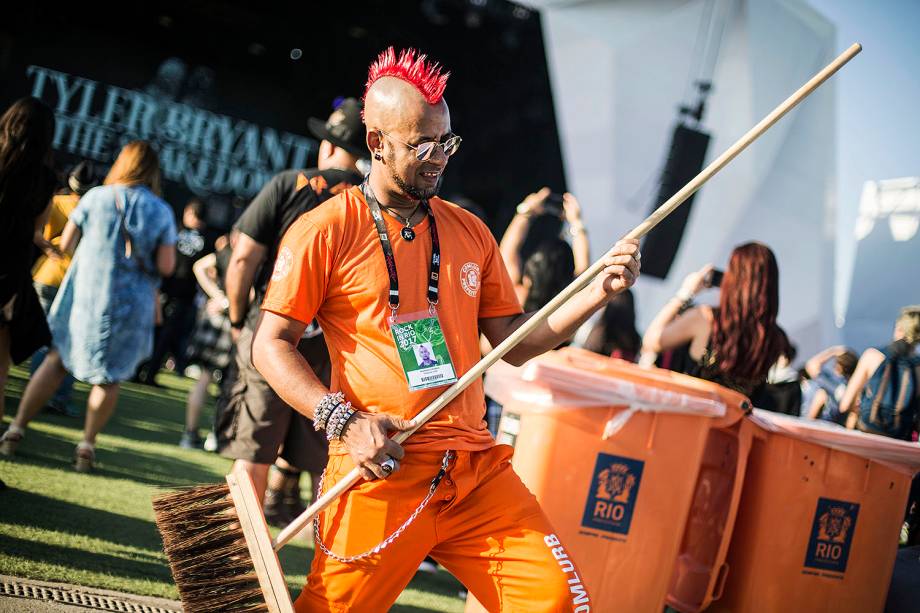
column 424, row 150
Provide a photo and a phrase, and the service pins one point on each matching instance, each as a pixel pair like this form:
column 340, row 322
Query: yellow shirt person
column 50, row 271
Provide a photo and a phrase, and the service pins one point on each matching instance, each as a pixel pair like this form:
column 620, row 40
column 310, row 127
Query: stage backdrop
column 225, row 89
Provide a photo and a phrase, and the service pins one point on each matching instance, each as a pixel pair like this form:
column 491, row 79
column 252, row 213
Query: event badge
column 422, row 350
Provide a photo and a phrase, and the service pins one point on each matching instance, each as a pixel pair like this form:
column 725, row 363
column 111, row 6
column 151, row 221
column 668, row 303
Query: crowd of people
column 101, row 284
column 121, row 236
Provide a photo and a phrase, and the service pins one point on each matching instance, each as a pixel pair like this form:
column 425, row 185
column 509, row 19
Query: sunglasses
column 424, row 150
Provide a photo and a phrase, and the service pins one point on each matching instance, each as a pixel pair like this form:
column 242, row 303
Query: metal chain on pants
column 396, row 533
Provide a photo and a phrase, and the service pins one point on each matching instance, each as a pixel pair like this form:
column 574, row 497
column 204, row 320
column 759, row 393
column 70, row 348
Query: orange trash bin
column 639, row 471
column 820, row 519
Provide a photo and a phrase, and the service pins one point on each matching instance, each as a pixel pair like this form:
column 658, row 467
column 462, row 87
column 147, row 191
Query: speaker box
column 685, row 161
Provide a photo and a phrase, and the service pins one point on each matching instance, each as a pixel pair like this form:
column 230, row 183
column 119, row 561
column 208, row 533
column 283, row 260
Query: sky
column 878, row 99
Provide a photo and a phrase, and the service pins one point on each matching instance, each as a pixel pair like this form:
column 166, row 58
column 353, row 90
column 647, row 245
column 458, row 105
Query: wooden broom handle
column 576, row 286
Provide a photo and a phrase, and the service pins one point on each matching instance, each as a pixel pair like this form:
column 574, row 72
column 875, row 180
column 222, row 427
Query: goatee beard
column 414, row 192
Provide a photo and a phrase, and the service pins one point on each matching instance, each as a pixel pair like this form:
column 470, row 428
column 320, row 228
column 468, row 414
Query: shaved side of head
column 402, row 88
column 394, row 104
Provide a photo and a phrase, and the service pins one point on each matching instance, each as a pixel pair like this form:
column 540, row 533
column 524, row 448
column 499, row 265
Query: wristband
column 577, row 228
column 238, row 325
column 338, row 420
column 523, row 210
column 324, row 409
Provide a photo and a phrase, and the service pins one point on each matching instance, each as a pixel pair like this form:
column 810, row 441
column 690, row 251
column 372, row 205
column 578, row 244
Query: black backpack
column 889, row 401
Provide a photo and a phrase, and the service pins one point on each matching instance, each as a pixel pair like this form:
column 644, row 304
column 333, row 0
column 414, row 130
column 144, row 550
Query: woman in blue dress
column 123, row 237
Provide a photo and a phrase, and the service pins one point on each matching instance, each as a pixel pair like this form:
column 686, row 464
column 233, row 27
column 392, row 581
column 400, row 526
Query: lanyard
column 433, row 270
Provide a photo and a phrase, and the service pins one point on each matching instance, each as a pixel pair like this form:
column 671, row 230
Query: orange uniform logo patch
column 470, row 278
column 283, row 264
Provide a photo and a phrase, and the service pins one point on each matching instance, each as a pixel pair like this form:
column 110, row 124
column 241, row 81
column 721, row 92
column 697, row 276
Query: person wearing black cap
column 255, row 423
column 50, row 268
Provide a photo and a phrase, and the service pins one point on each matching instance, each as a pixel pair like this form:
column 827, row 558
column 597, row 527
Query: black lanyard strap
column 434, row 269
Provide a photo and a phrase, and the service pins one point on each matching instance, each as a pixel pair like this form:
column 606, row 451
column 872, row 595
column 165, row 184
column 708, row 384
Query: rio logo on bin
column 831, row 535
column 613, row 493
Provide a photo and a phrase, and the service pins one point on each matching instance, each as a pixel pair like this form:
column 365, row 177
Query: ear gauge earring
column 377, row 156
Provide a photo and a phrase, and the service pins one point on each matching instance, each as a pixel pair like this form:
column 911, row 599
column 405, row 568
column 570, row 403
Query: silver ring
column 388, row 465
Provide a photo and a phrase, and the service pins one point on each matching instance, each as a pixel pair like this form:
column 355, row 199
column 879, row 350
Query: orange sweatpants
column 482, row 525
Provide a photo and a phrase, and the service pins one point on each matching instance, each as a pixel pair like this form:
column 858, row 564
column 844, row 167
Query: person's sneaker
column 190, row 440
column 428, row 565
column 10, row 440
column 210, row 443
column 84, row 458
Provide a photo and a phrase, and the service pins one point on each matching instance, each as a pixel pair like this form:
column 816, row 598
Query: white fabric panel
column 885, row 274
column 620, row 69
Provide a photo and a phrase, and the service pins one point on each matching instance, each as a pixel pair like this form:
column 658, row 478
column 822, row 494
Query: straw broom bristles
column 207, row 551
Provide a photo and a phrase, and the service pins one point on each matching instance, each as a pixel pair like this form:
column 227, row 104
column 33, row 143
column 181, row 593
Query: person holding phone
column 736, row 343
column 537, row 226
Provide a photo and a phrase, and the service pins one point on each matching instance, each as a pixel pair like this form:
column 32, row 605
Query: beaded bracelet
column 337, row 422
column 325, row 408
column 334, row 420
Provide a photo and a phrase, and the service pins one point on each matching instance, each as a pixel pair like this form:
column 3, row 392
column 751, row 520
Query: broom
column 215, row 536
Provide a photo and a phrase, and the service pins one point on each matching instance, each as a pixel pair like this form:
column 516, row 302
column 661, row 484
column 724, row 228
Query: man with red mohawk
column 402, row 283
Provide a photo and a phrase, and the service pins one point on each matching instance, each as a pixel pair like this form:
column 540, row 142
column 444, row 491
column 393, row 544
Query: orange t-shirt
column 330, row 266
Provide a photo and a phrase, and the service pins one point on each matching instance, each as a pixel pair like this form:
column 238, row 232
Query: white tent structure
column 884, row 274
column 620, row 69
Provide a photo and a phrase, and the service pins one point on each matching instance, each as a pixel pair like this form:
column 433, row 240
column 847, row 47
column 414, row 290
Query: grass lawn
column 97, row 529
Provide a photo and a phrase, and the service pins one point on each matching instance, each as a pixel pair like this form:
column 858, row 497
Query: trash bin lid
column 574, row 378
column 900, row 455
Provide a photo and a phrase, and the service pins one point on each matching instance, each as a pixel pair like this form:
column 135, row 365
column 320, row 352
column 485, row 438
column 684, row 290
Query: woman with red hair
column 737, row 343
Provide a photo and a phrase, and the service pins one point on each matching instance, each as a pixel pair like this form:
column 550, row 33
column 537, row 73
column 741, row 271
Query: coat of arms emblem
column 615, row 483
column 834, row 525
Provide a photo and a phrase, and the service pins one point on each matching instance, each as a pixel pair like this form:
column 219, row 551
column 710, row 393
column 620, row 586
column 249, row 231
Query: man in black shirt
column 178, row 293
column 256, row 423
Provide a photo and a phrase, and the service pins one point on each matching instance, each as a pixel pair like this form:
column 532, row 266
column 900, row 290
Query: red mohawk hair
column 412, row 68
